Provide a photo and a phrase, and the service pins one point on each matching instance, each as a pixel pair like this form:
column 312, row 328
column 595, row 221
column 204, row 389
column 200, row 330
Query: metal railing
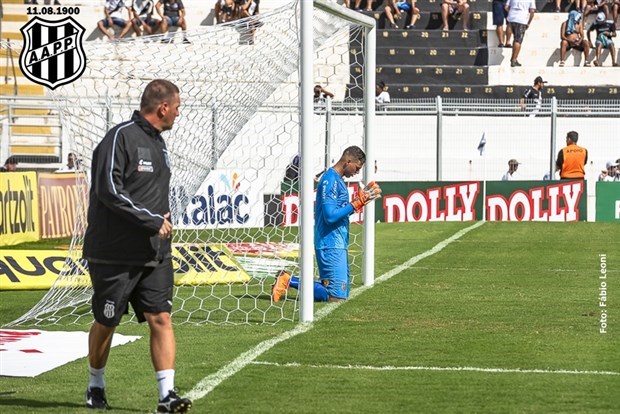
column 14, row 114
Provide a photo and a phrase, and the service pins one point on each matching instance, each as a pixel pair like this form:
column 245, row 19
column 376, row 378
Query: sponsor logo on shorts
column 109, row 310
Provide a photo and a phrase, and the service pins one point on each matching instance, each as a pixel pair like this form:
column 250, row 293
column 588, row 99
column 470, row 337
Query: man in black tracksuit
column 128, row 241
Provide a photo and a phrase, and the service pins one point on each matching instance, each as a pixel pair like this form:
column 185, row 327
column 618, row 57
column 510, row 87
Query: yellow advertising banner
column 62, row 203
column 194, row 264
column 19, row 209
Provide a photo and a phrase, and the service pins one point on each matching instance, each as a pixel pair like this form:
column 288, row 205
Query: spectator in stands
column 10, row 165
column 605, row 32
column 580, row 6
column 572, row 159
column 143, row 17
column 246, row 8
column 382, row 95
column 610, row 173
column 499, row 20
column 225, row 11
column 457, row 9
column 573, row 37
column 321, row 94
column 172, row 13
column 520, row 15
column 591, row 6
column 609, row 7
column 395, row 8
column 533, row 94
column 512, row 169
column 357, row 4
column 56, row 2
column 114, row 11
column 73, row 163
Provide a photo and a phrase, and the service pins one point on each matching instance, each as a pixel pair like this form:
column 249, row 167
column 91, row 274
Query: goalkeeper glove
column 365, row 194
column 373, row 189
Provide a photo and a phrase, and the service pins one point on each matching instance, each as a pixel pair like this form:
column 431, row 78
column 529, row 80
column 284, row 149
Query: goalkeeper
column 331, row 229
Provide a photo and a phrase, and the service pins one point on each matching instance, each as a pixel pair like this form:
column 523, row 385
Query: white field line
column 422, row 368
column 208, row 383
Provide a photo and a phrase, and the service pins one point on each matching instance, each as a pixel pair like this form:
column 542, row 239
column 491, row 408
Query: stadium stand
column 427, row 61
column 423, row 62
column 34, row 135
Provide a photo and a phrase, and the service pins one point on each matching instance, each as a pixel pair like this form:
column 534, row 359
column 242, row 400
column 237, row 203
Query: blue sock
column 294, row 283
column 320, row 293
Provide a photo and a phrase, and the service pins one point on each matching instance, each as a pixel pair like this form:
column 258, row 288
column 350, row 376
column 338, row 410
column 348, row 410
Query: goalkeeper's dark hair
column 355, row 152
column 156, row 92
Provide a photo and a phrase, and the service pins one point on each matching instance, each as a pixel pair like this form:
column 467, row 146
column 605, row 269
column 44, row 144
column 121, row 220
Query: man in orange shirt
column 572, row 159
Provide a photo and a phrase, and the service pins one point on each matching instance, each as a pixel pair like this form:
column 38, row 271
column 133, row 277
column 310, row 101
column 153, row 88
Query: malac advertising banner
column 558, row 201
column 226, row 199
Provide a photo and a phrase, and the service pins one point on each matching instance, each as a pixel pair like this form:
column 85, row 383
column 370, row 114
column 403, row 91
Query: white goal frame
column 307, row 150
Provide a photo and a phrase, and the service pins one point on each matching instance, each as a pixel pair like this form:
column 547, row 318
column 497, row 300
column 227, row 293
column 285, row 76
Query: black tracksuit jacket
column 130, row 183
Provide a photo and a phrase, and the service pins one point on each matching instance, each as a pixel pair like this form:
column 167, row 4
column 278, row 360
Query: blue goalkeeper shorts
column 334, row 271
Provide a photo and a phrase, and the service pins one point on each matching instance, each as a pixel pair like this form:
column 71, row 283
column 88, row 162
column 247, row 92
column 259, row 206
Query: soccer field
column 494, row 318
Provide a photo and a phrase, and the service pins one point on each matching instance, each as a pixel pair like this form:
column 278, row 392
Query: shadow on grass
column 6, row 402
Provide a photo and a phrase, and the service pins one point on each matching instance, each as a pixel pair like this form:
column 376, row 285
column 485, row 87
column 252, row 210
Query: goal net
column 236, row 216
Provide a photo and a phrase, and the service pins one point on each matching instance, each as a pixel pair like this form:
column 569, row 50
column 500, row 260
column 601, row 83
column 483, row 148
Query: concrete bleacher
column 424, row 62
column 427, row 61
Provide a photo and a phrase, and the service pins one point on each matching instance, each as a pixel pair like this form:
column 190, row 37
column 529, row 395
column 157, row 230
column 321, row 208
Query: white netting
column 229, row 149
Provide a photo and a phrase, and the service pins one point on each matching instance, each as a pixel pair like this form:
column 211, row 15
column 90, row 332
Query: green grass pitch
column 482, row 326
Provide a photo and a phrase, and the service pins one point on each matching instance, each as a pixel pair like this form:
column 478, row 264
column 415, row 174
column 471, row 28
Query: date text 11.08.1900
column 52, row 10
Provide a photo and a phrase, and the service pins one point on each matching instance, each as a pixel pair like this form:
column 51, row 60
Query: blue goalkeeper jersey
column 331, row 212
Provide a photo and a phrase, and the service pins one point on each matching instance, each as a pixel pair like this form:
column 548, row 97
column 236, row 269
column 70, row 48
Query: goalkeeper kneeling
column 331, row 229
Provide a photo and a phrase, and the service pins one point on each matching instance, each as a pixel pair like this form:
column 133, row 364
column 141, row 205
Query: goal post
column 241, row 122
column 307, row 148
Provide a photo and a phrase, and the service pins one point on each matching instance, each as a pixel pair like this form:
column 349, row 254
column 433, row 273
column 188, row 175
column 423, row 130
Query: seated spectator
column 382, row 95
column 572, row 37
column 499, row 20
column 580, row 6
column 73, row 164
column 114, row 11
column 395, row 9
column 595, row 6
column 512, row 169
column 605, row 32
column 457, row 9
column 371, row 5
column 225, row 11
column 321, row 94
column 247, row 8
column 610, row 173
column 172, row 13
column 143, row 17
column 10, row 165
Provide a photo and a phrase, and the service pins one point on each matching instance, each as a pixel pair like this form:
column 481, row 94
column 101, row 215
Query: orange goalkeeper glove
column 373, row 189
column 365, row 194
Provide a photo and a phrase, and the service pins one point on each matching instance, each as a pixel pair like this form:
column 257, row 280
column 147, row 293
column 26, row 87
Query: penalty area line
column 208, row 383
column 454, row 369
